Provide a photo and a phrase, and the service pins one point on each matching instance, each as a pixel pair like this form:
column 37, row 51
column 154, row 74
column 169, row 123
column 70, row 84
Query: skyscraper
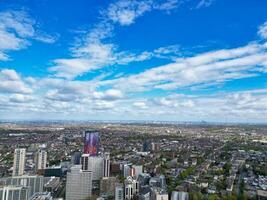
column 32, row 182
column 162, row 180
column 131, row 187
column 41, row 159
column 126, row 170
column 19, row 162
column 179, row 195
column 158, row 194
column 79, row 184
column 137, row 170
column 91, row 143
column 14, row 193
column 146, row 146
column 107, row 186
column 106, row 165
column 95, row 164
column 42, row 196
column 76, row 158
column 119, row 195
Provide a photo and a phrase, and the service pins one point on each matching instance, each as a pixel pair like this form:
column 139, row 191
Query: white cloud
column 188, row 104
column 164, row 101
column 88, row 57
column 10, row 82
column 64, row 97
column 17, row 29
column 10, row 74
column 204, row 3
column 92, row 52
column 64, row 90
column 74, row 96
column 103, row 105
column 140, row 105
column 46, row 38
column 242, row 106
column 108, row 95
column 167, row 5
column 20, row 98
column 174, row 101
column 67, row 98
column 96, row 55
column 19, row 21
column 172, row 49
column 55, row 95
column 263, row 31
column 207, row 68
column 70, row 68
column 125, row 12
column 125, row 58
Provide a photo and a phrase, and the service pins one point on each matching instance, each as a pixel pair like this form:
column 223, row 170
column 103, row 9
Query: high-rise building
column 19, row 162
column 14, row 193
column 144, row 188
column 91, row 143
column 158, row 194
column 146, row 146
column 106, row 165
column 95, row 164
column 131, row 187
column 30, row 162
column 155, row 146
column 76, row 158
column 79, row 184
column 115, row 168
column 126, row 170
column 107, row 186
column 162, row 181
column 41, row 159
column 154, row 182
column 145, row 196
column 137, row 170
column 42, row 196
column 33, row 183
column 144, row 179
column 85, row 162
column 179, row 195
column 56, row 171
column 132, row 170
column 119, row 194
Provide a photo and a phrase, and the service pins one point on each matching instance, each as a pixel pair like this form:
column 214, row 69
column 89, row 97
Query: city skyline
column 166, row 60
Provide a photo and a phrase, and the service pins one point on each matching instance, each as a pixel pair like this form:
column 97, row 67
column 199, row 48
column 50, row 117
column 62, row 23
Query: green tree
column 213, row 197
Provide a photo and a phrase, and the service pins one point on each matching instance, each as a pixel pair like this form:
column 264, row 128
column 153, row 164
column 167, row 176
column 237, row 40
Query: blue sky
column 178, row 60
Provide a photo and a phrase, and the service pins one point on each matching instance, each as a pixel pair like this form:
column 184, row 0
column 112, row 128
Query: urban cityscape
column 156, row 161
column 133, row 99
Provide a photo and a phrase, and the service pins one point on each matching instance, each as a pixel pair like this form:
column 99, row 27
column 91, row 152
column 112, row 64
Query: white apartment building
column 19, row 162
column 79, row 184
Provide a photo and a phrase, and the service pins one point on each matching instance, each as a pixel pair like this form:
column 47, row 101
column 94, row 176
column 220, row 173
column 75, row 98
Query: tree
column 226, row 168
column 233, row 196
column 242, row 196
column 213, row 197
column 195, row 196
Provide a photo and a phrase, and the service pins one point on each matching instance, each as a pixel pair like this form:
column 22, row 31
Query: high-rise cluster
column 25, row 184
column 84, row 179
column 19, row 162
column 91, row 176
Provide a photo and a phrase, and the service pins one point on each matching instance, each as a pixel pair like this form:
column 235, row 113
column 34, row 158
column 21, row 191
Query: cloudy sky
column 179, row 60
